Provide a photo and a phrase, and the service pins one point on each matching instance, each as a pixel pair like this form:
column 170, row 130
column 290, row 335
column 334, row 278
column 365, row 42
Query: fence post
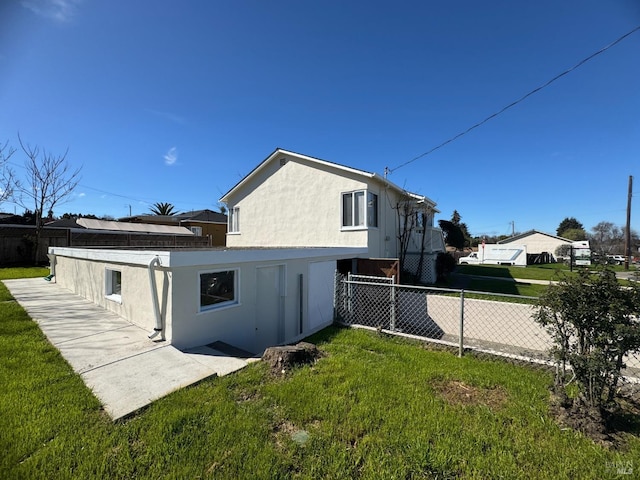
column 349, row 287
column 392, row 310
column 461, row 341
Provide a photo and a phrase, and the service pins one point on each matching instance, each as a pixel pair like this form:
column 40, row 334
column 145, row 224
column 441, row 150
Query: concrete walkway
column 115, row 358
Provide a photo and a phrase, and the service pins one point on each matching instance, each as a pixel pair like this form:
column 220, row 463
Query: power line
column 513, row 104
column 112, row 194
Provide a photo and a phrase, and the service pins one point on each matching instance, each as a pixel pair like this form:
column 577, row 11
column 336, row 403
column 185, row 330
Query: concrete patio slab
column 115, row 358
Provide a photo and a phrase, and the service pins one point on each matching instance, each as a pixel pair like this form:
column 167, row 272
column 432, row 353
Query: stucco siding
column 250, row 322
column 87, row 279
column 298, row 206
column 239, row 324
column 538, row 243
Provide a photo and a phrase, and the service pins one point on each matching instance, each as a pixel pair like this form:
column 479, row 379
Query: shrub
column 594, row 324
column 445, row 264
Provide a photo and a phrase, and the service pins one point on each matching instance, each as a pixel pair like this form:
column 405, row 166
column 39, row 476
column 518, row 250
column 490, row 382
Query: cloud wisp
column 58, row 10
column 168, row 116
column 171, row 157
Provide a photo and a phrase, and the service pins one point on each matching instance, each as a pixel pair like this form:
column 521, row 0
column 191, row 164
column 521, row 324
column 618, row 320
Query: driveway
column 115, row 358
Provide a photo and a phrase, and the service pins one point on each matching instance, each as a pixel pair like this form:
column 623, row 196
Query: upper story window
column 417, row 220
column 359, row 209
column 234, row 220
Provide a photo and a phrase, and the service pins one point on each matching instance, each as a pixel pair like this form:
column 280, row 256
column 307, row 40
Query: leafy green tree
column 452, row 234
column 575, row 234
column 455, row 219
column 162, row 208
column 569, row 223
column 593, row 321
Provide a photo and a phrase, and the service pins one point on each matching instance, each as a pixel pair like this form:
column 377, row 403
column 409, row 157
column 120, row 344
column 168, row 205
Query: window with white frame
column 196, row 231
column 113, row 284
column 219, row 288
column 359, row 209
column 234, row 220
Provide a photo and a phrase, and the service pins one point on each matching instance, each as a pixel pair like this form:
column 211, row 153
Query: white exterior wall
column 301, row 206
column 538, row 243
column 239, row 324
column 178, row 280
column 86, row 278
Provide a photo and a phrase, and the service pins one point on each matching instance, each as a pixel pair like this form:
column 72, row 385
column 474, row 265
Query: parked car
column 616, row 259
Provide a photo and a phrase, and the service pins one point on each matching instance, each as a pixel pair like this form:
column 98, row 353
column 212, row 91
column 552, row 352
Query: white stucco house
column 293, row 200
column 293, row 221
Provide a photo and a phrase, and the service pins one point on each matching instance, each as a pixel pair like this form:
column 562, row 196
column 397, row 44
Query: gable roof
column 202, row 216
column 194, row 215
column 520, row 236
column 108, row 226
column 322, row 164
column 91, row 224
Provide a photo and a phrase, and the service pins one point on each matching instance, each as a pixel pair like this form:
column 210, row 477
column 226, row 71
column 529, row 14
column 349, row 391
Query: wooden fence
column 18, row 241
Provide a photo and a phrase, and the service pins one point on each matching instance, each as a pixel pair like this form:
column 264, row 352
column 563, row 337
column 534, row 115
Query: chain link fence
column 487, row 324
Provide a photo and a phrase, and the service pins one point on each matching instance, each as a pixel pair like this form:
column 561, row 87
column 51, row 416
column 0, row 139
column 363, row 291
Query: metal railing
column 485, row 323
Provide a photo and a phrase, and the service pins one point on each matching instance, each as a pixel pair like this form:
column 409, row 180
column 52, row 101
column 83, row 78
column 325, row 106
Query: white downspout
column 154, row 297
column 52, row 267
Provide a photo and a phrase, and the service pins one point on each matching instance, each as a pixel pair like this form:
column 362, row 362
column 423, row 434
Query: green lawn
column 374, row 407
column 510, row 288
column 532, row 272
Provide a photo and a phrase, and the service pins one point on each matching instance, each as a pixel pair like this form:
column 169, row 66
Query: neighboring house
column 538, row 242
column 293, row 200
column 203, row 223
column 108, row 226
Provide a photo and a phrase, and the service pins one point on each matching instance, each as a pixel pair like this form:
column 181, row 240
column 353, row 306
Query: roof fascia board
column 355, row 171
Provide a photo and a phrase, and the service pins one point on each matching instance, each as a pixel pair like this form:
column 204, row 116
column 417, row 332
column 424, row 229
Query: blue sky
column 171, row 101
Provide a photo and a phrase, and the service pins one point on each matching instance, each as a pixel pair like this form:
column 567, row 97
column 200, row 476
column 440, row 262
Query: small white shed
column 248, row 298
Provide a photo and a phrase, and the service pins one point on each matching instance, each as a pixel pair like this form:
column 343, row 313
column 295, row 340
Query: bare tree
column 7, row 176
column 49, row 181
column 607, row 238
column 411, row 232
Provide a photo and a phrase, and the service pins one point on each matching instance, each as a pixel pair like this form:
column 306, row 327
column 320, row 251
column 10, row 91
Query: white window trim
column 197, row 231
column 365, row 226
column 233, row 218
column 108, row 285
column 222, row 305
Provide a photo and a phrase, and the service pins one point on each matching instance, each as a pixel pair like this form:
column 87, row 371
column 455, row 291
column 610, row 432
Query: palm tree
column 162, row 208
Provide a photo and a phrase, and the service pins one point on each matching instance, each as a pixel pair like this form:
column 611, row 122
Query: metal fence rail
column 486, row 323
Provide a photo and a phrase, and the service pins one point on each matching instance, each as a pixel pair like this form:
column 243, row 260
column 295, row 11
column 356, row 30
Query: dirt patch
column 607, row 426
column 460, row 393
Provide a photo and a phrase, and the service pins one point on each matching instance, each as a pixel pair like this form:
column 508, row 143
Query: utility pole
column 627, row 237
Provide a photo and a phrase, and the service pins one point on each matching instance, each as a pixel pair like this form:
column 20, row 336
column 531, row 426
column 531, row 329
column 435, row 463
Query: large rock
column 282, row 359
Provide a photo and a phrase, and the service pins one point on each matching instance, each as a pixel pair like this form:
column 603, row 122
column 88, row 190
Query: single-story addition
column 248, row 298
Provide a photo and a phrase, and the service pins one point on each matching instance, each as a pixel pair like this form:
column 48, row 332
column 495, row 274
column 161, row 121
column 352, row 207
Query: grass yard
column 531, row 272
column 374, row 407
column 511, row 288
